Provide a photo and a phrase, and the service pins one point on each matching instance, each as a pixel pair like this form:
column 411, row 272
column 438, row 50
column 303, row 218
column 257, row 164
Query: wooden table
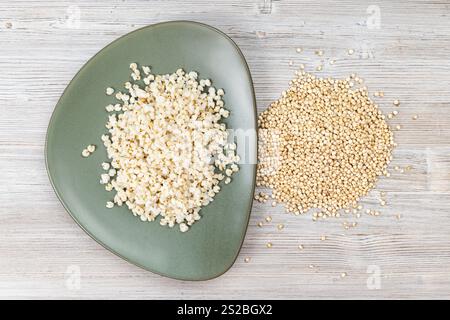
column 400, row 48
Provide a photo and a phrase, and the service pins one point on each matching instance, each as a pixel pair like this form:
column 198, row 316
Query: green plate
column 212, row 244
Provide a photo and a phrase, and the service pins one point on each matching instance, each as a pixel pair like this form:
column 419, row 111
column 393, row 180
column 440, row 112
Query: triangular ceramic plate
column 211, row 246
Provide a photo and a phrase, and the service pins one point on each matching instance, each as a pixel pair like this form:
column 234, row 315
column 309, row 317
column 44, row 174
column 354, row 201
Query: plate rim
column 92, row 236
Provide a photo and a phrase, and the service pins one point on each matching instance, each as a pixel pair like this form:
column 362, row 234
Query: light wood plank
column 407, row 58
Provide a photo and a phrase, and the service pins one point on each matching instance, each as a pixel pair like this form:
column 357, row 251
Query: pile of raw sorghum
column 323, row 145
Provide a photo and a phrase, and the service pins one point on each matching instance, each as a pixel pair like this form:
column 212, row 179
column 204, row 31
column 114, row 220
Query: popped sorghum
column 168, row 148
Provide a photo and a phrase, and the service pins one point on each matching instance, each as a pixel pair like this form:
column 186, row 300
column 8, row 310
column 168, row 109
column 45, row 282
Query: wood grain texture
column 44, row 43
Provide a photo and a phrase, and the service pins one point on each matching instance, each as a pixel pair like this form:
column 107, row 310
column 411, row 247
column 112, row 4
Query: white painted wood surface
column 44, row 43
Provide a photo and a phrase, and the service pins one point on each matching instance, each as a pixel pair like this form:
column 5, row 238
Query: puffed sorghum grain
column 168, row 147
